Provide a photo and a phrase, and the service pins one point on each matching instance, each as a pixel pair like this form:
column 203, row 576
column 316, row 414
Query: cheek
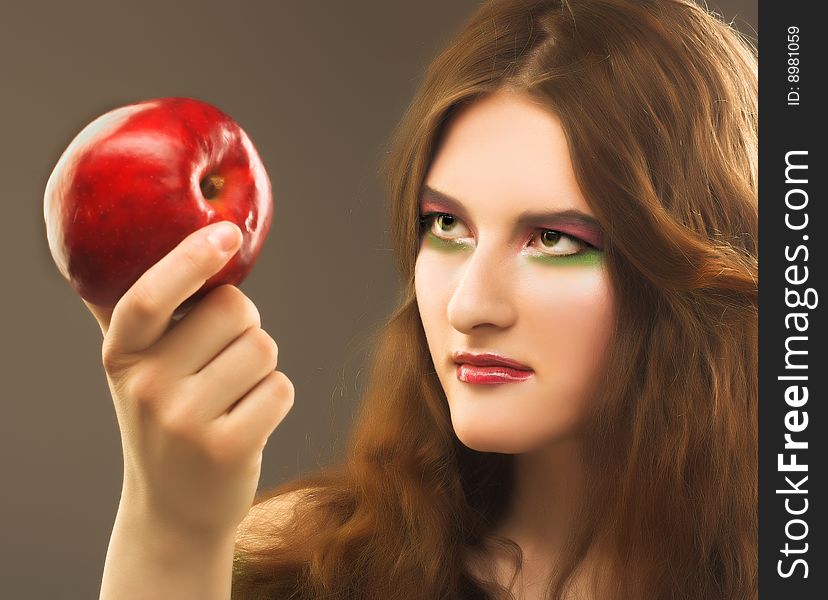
column 568, row 327
column 431, row 292
column 570, row 320
column 431, row 284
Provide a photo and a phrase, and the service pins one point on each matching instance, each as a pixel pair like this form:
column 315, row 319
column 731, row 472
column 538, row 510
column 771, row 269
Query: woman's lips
column 491, row 374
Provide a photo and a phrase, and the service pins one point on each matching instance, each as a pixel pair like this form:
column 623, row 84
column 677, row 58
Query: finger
column 261, row 410
column 233, row 373
column 211, row 326
column 102, row 314
column 145, row 312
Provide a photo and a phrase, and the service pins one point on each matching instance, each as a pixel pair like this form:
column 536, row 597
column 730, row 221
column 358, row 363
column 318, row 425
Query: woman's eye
column 555, row 243
column 440, row 224
column 549, row 242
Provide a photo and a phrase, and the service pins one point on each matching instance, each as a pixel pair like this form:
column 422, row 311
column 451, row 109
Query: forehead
column 506, row 150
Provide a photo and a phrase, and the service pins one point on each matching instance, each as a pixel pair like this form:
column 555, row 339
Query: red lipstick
column 490, row 368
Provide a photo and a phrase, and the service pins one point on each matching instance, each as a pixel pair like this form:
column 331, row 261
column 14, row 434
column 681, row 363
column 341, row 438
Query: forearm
column 152, row 563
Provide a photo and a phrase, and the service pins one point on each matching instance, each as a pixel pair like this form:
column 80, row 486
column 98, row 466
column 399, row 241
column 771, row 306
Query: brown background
column 319, row 87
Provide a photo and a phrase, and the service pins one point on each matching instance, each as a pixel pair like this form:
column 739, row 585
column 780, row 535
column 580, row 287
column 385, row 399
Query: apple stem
column 211, row 186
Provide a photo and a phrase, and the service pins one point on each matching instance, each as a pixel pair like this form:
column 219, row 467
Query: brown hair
column 658, row 100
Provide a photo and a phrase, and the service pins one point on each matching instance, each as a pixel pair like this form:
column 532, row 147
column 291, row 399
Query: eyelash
column 427, row 219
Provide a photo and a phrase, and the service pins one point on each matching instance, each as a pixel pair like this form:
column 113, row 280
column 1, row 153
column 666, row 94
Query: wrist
column 171, row 542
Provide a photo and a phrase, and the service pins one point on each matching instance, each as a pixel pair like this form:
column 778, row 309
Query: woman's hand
column 197, row 399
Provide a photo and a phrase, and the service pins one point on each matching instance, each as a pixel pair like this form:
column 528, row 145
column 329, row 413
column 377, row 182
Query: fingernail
column 223, row 236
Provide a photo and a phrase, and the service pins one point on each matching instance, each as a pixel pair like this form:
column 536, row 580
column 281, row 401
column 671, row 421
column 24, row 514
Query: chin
column 485, row 435
column 493, row 439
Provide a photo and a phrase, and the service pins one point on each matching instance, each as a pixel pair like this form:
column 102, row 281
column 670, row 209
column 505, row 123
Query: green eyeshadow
column 591, row 257
column 445, row 245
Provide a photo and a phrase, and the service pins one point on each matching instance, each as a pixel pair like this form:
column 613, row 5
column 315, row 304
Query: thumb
column 102, row 314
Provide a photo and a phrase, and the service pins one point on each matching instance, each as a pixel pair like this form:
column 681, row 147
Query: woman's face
column 503, row 269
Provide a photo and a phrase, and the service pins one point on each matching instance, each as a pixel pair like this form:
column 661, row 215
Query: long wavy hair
column 658, row 100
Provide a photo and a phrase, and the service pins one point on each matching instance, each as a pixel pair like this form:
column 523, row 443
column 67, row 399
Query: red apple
column 138, row 180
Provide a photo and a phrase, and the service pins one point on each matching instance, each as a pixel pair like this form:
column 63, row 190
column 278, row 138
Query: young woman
column 564, row 403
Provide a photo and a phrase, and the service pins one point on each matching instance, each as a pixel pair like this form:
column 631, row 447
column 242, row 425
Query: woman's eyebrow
column 526, row 217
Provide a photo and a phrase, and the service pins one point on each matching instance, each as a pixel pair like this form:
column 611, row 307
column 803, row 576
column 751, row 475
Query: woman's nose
column 484, row 294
